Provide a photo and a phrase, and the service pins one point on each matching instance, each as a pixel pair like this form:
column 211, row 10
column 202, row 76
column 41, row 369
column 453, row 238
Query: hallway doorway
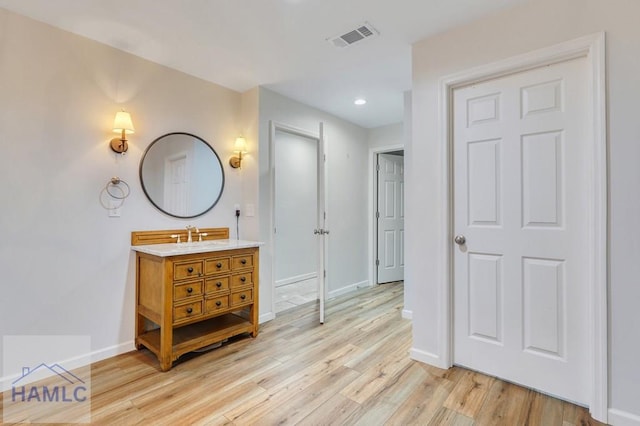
column 389, row 217
column 299, row 217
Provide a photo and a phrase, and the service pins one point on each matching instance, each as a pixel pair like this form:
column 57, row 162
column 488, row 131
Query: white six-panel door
column 520, row 203
column 390, row 216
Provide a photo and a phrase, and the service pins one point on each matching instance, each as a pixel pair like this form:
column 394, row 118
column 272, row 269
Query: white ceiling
column 280, row 44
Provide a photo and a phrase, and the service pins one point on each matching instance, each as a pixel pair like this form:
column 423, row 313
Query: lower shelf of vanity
column 198, row 335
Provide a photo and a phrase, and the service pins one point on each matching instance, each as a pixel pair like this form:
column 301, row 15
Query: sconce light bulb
column 240, row 147
column 124, row 125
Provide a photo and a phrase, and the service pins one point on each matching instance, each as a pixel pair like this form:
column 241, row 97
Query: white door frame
column 377, row 218
column 317, row 136
column 593, row 48
column 373, row 202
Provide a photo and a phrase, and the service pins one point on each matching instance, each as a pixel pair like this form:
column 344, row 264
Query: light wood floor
column 354, row 369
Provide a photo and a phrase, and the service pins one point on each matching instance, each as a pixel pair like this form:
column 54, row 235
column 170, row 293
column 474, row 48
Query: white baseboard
column 266, row 317
column 297, row 278
column 348, row 289
column 406, row 314
column 622, row 418
column 78, row 361
column 427, row 358
column 112, row 351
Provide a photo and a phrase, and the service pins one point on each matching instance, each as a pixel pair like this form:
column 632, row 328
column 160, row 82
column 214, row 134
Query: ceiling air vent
column 360, row 33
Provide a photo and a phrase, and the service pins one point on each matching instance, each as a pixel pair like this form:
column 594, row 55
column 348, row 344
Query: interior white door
column 520, row 199
column 322, row 231
column 286, row 207
column 390, row 216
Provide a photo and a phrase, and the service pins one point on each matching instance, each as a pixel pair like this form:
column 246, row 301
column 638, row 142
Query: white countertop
column 175, row 249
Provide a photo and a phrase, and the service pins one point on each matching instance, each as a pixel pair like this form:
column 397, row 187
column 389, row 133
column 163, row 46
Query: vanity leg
column 165, row 364
column 139, row 330
column 253, row 314
column 166, row 347
column 140, row 325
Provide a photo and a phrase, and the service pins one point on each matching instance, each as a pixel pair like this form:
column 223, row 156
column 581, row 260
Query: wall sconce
column 239, row 147
column 122, row 124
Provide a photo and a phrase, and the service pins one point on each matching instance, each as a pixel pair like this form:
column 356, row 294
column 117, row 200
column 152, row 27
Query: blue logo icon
column 71, row 389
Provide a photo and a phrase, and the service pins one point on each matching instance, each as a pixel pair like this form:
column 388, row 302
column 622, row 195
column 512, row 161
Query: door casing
column 373, row 203
column 378, row 209
column 593, row 48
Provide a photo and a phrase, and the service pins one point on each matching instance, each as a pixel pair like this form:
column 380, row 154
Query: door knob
column 460, row 240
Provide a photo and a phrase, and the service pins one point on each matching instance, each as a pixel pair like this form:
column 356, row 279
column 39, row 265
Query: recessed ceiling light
column 360, row 101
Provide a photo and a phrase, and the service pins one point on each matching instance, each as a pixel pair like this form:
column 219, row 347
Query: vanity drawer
column 184, row 270
column 241, row 297
column 214, row 285
column 216, row 304
column 215, row 265
column 187, row 311
column 182, row 291
column 243, row 279
column 240, row 262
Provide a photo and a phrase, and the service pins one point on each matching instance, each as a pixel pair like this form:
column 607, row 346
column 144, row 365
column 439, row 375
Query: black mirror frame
column 144, row 189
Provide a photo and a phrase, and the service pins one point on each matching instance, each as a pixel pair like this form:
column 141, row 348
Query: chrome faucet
column 189, row 229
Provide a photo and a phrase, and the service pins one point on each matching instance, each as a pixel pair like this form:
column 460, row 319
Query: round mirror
column 181, row 175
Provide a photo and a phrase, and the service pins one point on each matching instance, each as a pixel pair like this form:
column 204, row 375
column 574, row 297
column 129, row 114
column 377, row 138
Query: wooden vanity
column 189, row 296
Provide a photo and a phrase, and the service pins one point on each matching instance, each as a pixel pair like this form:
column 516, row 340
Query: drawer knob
column 218, row 303
column 243, row 279
column 218, row 265
column 243, row 296
column 243, row 261
column 189, row 310
column 190, row 269
column 218, row 284
column 189, row 290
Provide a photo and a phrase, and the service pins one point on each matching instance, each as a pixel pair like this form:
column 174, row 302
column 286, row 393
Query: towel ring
column 115, row 183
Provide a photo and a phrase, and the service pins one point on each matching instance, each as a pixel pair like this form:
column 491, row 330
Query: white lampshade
column 123, row 122
column 240, row 145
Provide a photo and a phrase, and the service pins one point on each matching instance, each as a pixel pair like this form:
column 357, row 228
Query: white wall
column 296, row 211
column 347, row 193
column 385, row 136
column 409, row 290
column 248, row 174
column 537, row 24
column 67, row 267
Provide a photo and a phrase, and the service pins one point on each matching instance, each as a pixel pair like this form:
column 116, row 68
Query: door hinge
column 324, row 157
column 378, row 167
column 377, row 262
column 325, row 273
column 377, row 215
